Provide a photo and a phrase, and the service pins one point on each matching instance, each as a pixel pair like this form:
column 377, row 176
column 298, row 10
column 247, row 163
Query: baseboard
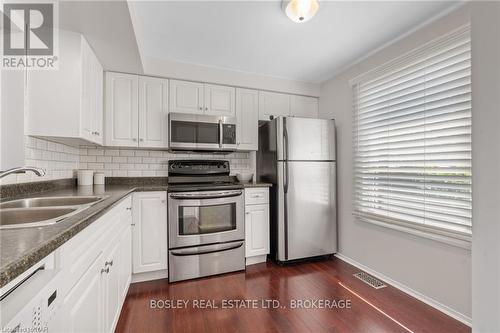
column 256, row 260
column 407, row 290
column 149, row 276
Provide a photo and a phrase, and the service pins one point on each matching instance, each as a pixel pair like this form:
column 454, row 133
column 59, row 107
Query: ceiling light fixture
column 300, row 11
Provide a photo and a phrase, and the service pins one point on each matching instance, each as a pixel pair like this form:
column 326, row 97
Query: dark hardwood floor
column 371, row 310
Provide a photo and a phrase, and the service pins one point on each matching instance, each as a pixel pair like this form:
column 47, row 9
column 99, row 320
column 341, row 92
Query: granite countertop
column 24, row 247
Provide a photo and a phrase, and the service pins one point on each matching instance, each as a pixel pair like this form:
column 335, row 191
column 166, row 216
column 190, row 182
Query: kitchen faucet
column 39, row 172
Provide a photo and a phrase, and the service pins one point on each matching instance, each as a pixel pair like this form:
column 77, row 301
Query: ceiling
column 256, row 36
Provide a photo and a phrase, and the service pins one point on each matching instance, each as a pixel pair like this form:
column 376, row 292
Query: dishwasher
column 33, row 304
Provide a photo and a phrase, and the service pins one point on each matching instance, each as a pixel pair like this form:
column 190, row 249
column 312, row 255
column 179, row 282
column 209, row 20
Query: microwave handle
column 221, row 133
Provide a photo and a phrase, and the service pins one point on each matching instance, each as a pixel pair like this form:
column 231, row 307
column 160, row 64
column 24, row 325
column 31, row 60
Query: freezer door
column 302, row 139
column 307, row 216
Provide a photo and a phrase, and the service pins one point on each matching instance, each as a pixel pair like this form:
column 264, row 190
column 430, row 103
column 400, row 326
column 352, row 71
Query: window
column 412, row 140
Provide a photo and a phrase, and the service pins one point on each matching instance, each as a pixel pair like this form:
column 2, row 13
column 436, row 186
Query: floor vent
column 370, row 280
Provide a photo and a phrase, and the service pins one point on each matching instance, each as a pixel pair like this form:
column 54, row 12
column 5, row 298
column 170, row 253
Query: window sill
column 455, row 239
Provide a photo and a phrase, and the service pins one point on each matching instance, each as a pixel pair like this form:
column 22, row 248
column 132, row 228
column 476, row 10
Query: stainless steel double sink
column 42, row 211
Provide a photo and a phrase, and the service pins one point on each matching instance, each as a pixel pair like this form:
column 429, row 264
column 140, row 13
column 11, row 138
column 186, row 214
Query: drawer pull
column 110, row 263
column 105, row 270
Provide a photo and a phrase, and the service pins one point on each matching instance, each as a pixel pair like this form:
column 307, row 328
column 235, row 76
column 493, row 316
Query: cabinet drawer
column 256, row 196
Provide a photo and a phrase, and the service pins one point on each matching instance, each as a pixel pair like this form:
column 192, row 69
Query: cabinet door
column 149, row 234
column 88, row 105
column 247, row 114
column 82, row 309
column 303, row 106
column 219, row 100
column 126, row 259
column 112, row 293
column 256, row 230
column 153, row 112
column 186, row 97
column 121, row 114
column 98, row 114
column 273, row 104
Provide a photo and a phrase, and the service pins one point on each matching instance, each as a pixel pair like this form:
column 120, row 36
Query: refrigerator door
column 305, row 139
column 307, row 219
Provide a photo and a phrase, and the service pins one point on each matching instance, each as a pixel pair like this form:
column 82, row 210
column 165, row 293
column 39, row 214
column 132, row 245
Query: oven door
column 205, row 217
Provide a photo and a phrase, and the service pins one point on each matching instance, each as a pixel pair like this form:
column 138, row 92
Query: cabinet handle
column 247, row 213
column 206, row 109
column 110, row 263
column 141, row 139
column 132, row 224
column 134, row 139
column 201, row 108
column 105, row 270
column 129, row 208
column 97, row 133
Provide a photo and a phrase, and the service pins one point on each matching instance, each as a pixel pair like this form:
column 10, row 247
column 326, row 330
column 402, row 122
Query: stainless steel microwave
column 201, row 132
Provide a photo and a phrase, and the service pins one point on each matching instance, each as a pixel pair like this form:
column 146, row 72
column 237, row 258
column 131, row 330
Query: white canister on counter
column 85, row 177
column 99, row 178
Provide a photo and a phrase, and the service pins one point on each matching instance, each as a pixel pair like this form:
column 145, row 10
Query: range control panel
column 197, row 167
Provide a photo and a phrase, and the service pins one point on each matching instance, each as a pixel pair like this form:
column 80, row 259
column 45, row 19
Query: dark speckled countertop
column 22, row 248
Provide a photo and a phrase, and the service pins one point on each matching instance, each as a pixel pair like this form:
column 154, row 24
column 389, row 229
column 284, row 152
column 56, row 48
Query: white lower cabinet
column 149, row 233
column 256, row 225
column 95, row 294
column 82, row 308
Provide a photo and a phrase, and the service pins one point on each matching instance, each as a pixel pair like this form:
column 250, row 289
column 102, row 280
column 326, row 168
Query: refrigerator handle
column 285, row 157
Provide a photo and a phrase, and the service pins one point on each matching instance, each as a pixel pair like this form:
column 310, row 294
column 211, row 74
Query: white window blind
column 412, row 138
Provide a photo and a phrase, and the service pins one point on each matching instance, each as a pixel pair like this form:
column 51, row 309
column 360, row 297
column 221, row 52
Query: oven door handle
column 225, row 194
column 206, row 249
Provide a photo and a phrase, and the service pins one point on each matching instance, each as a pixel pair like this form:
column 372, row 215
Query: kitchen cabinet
column 256, row 225
column 153, row 112
column 186, row 97
column 122, row 110
column 219, row 100
column 149, row 233
column 202, row 98
column 66, row 105
column 136, row 112
column 304, row 106
column 82, row 308
column 273, row 104
column 97, row 270
column 247, row 114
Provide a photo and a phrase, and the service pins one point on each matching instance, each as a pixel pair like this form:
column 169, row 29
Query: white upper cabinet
column 186, row 97
column 201, row 98
column 273, row 104
column 247, row 114
column 65, row 105
column 136, row 111
column 122, row 115
column 153, row 112
column 303, row 106
column 219, row 100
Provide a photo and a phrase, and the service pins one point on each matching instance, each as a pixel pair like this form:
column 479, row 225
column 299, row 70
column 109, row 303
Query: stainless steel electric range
column 206, row 228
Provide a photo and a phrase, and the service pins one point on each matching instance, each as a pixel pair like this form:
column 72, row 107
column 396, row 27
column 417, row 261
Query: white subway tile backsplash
column 62, row 161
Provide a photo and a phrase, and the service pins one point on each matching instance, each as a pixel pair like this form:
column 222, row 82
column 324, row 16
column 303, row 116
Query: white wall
column 438, row 272
column 185, row 71
column 485, row 167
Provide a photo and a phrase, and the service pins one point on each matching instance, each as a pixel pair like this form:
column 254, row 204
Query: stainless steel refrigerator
column 297, row 155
